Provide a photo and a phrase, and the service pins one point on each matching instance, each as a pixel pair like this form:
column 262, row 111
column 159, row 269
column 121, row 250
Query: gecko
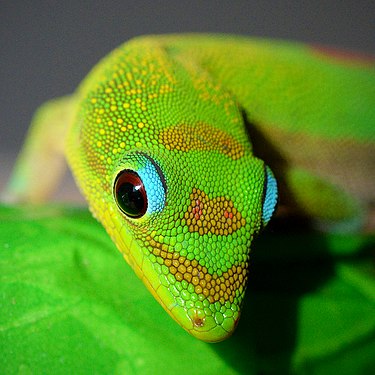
column 185, row 146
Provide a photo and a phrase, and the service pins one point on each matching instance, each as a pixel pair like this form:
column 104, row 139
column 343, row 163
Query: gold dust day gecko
column 172, row 140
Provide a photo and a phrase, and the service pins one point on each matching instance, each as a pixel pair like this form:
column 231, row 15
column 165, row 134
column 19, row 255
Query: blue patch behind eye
column 154, row 187
column 270, row 196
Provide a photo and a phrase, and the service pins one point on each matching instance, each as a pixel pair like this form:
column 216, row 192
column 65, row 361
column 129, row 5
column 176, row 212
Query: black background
column 47, row 47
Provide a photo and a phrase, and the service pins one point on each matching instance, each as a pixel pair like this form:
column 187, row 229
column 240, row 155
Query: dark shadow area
column 266, row 151
column 284, row 268
column 267, row 331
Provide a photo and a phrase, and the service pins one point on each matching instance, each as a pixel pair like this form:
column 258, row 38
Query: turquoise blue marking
column 270, row 197
column 153, row 184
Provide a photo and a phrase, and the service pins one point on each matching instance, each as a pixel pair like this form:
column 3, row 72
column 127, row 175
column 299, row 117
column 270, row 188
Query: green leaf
column 69, row 303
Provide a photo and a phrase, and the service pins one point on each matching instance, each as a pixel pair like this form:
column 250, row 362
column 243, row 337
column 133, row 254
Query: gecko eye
column 130, row 194
column 139, row 188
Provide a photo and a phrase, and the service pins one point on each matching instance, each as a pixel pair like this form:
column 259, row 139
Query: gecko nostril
column 198, row 322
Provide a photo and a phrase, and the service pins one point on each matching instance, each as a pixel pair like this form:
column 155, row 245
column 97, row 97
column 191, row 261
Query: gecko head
column 160, row 152
column 188, row 238
column 182, row 201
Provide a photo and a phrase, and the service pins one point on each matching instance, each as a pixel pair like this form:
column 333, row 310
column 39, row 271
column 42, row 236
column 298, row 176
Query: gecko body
column 170, row 139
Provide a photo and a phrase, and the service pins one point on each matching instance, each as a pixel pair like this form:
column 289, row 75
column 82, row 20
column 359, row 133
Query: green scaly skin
column 186, row 107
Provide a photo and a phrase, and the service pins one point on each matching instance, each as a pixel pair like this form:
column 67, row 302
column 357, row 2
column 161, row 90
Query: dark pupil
column 131, row 194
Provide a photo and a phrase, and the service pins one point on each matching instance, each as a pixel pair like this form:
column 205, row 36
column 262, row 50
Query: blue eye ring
column 270, row 197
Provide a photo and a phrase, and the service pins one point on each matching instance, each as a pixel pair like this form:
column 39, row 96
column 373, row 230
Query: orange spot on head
column 214, row 222
column 201, row 136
